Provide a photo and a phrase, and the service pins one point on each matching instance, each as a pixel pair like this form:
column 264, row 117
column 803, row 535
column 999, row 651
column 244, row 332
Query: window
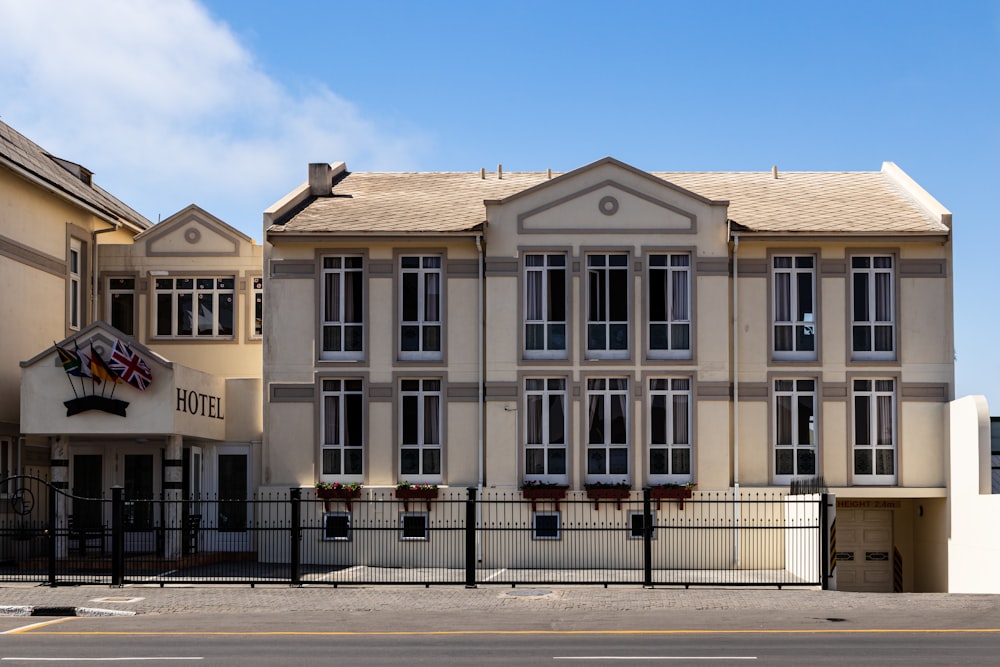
column 257, row 294
column 343, row 308
column 121, row 304
column 337, row 527
column 545, row 429
column 874, row 431
column 420, row 319
column 670, row 306
column 343, row 430
column 794, row 307
column 420, row 449
column 545, row 525
column 872, row 308
column 607, row 439
column 75, row 283
column 607, row 306
column 413, row 526
column 545, row 306
column 794, row 429
column 194, row 307
column 669, row 430
column 637, row 524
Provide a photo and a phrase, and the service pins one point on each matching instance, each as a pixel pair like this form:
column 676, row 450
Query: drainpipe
column 93, row 269
column 736, row 397
column 482, row 395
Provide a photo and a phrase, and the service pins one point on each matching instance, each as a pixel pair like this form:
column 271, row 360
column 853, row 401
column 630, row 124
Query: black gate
column 50, row 536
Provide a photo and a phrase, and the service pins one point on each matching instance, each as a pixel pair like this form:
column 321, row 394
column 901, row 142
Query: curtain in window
column 619, row 419
column 432, row 299
column 883, row 298
column 331, row 308
column 331, row 429
column 680, row 410
column 782, row 297
column 351, row 304
column 679, row 295
column 596, row 420
column 534, row 296
column 884, row 407
column 432, row 432
column 534, row 425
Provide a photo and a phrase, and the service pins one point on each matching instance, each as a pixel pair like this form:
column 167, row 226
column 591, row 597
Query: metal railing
column 711, row 539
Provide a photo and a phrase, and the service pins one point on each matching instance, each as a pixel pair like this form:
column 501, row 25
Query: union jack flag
column 129, row 366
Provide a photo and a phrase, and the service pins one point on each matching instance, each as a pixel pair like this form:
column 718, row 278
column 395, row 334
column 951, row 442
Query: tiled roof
column 441, row 202
column 26, row 154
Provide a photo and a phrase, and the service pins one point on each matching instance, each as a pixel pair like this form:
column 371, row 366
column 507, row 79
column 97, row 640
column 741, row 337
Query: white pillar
column 59, row 465
column 173, row 484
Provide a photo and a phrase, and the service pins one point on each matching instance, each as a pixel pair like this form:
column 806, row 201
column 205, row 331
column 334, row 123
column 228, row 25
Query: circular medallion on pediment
column 608, row 205
column 192, row 235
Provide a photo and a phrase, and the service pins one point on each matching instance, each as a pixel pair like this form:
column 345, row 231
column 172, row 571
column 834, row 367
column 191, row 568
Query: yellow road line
column 412, row 633
column 26, row 628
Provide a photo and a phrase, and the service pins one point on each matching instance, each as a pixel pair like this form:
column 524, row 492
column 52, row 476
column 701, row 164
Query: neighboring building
column 83, row 270
column 995, row 454
column 734, row 330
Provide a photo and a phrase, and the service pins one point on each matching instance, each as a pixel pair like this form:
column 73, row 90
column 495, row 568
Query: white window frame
column 346, row 395
column 600, row 300
column 671, row 268
column 411, row 538
column 425, row 391
column 256, row 309
column 875, row 314
column 75, row 296
column 872, row 406
column 429, row 308
column 670, row 389
column 539, row 307
column 608, row 445
column 337, row 271
column 128, row 289
column 788, row 305
column 534, row 526
column 216, row 294
column 544, row 390
column 792, row 391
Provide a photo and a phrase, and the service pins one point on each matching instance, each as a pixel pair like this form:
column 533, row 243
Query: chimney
column 320, row 179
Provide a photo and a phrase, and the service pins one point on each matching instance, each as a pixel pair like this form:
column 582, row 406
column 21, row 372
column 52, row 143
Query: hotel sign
column 199, row 404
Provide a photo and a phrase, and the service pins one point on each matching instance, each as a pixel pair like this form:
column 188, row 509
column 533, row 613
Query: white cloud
column 167, row 107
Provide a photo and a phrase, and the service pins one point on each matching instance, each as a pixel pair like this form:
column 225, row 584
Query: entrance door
column 864, row 550
column 88, row 482
column 138, row 518
column 234, row 508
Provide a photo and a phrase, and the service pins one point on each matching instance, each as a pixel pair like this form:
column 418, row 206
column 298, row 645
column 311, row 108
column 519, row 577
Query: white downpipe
column 736, row 399
column 482, row 395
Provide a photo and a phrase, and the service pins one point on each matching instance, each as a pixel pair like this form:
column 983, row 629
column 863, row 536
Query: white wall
column 974, row 538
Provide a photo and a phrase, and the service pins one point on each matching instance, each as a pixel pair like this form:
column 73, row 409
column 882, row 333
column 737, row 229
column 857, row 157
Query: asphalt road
column 525, row 638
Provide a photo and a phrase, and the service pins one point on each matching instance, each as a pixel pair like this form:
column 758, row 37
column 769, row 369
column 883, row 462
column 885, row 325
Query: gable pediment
column 609, row 206
column 193, row 232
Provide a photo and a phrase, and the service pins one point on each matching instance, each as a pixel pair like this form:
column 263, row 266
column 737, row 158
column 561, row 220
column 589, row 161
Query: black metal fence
column 48, row 535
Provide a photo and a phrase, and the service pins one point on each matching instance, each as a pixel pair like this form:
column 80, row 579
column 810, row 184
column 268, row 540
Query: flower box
column 616, row 493
column 343, row 494
column 406, row 494
column 679, row 494
column 536, row 493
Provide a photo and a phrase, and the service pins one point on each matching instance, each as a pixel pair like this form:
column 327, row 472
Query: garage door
column 864, row 550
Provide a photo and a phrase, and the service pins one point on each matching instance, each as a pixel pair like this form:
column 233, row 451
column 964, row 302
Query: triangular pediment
column 608, row 196
column 192, row 232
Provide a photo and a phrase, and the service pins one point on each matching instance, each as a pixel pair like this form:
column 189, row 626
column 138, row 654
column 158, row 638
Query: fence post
column 647, row 540
column 52, row 532
column 295, row 535
column 824, row 541
column 117, row 537
column 470, row 538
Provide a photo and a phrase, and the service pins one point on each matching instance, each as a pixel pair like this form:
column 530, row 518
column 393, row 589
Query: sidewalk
column 151, row 599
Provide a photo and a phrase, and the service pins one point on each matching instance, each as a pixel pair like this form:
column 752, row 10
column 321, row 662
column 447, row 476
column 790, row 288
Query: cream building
column 83, row 270
column 738, row 331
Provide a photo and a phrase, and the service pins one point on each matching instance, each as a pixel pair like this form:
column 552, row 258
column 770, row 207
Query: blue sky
column 223, row 103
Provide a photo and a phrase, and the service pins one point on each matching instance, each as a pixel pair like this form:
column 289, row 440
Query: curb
column 61, row 611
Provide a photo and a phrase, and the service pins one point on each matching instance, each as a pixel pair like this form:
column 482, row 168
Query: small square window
column 637, row 525
column 337, row 527
column 545, row 526
column 414, row 526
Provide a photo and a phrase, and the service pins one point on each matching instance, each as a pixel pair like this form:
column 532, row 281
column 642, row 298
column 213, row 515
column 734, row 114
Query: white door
column 864, row 550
